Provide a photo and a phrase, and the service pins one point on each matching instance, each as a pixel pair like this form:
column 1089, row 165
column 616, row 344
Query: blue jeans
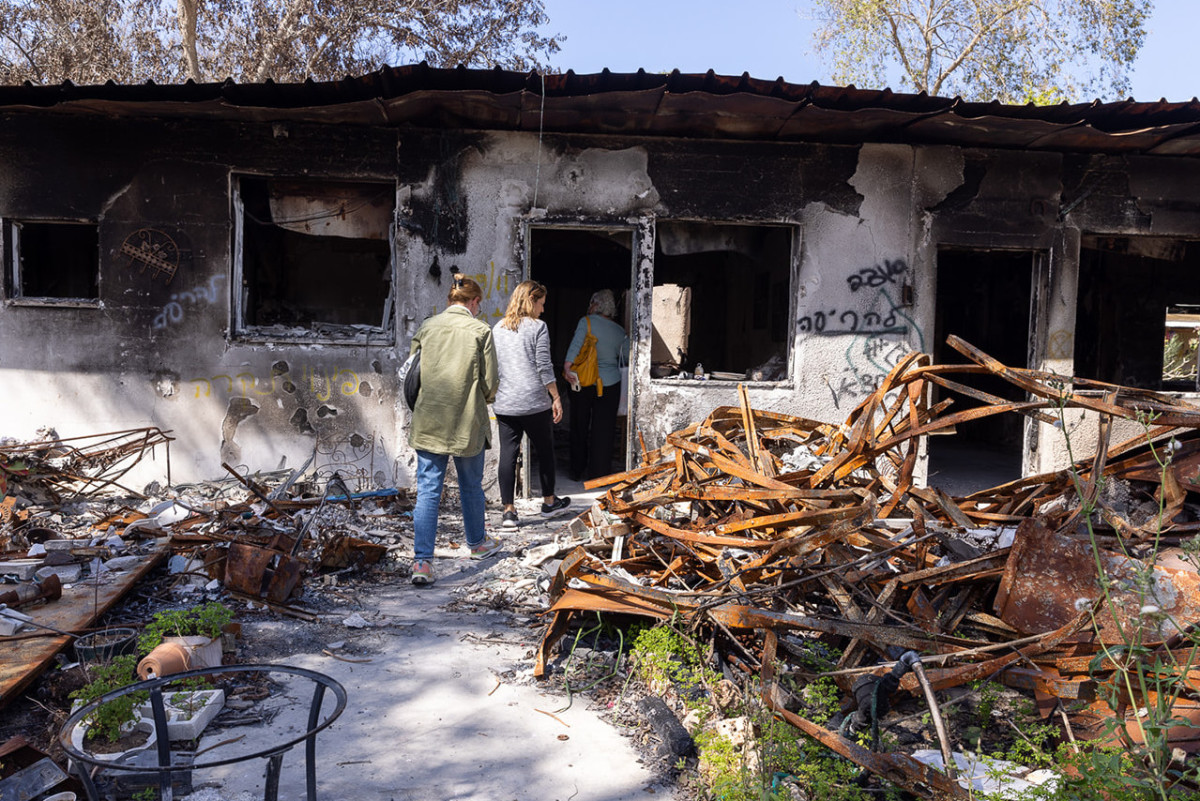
column 431, row 476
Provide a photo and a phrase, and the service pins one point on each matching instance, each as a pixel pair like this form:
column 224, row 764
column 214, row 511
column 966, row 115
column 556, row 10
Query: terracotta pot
column 165, row 659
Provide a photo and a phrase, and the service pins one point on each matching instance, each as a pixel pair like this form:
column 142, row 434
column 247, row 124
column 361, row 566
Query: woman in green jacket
column 459, row 377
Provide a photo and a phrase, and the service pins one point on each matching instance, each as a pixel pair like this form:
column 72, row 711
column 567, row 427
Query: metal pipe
column 936, row 714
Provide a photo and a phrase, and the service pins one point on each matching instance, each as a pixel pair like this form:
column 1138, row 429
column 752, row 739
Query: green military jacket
column 459, row 378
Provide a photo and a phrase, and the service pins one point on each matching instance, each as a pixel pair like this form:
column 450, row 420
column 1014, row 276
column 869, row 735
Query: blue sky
column 770, row 38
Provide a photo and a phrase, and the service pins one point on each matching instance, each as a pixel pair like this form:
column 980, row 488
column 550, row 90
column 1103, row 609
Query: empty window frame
column 315, row 259
column 53, row 261
column 1181, row 346
column 722, row 300
column 1138, row 312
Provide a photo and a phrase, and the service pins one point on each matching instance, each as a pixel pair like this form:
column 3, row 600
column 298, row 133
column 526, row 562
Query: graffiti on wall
column 877, row 275
column 153, row 250
column 868, row 360
column 496, row 289
column 320, row 381
column 1061, row 344
column 853, row 322
column 878, row 326
column 173, row 312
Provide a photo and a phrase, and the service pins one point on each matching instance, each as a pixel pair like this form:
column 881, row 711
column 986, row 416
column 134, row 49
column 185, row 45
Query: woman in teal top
column 594, row 408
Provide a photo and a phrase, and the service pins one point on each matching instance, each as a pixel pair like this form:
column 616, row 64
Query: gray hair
column 602, row 301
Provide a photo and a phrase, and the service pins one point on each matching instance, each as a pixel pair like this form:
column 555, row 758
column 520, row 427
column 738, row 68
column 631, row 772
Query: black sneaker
column 508, row 520
column 551, row 509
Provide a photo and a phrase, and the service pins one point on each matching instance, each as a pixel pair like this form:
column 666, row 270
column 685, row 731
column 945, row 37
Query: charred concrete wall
column 155, row 346
column 169, row 344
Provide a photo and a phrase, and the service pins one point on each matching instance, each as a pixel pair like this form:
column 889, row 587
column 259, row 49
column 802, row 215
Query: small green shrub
column 822, row 700
column 206, row 620
column 665, row 656
column 109, row 718
column 824, row 775
column 723, row 768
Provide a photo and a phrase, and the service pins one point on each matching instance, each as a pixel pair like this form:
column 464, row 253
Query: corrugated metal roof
column 645, row 104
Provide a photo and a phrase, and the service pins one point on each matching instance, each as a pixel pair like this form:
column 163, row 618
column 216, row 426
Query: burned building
column 244, row 265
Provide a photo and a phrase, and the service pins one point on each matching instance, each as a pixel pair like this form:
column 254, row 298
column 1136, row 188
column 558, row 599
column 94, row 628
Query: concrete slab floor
column 444, row 707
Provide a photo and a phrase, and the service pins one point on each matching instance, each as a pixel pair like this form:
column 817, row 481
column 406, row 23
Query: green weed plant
column 108, row 720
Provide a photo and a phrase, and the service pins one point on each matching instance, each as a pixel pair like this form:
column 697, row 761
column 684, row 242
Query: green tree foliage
column 1015, row 51
column 170, row 41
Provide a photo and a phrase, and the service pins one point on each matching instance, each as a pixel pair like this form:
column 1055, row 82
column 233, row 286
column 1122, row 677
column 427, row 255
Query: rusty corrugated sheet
column 643, row 104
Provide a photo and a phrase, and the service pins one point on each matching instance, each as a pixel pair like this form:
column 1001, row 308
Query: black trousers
column 593, row 421
column 539, row 427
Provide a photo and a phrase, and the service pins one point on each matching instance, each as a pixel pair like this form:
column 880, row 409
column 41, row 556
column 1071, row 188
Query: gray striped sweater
column 525, row 368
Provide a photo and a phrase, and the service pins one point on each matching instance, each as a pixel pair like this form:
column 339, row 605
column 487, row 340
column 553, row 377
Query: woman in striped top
column 527, row 402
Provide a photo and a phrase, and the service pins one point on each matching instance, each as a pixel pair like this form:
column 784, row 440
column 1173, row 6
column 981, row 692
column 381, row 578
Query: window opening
column 1138, row 312
column 54, row 260
column 1181, row 345
column 316, row 258
column 721, row 300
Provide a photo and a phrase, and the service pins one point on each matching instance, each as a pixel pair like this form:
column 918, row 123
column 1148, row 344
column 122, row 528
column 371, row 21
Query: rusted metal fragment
column 941, row 679
column 344, row 551
column 263, row 572
column 1050, row 577
column 612, row 600
column 696, row 537
column 922, row 610
column 968, row 569
column 1048, row 681
column 554, row 632
column 745, row 617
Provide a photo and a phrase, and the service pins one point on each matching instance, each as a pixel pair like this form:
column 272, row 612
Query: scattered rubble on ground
column 794, row 550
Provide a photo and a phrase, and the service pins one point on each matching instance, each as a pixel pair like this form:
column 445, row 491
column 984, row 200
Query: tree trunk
column 187, row 32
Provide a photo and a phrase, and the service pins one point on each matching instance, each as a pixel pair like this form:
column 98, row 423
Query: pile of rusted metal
column 55, row 468
column 752, row 525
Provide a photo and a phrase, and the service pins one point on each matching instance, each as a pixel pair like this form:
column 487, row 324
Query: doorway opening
column 573, row 263
column 986, row 298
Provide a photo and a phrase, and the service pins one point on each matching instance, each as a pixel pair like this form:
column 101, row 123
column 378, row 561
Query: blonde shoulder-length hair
column 520, row 305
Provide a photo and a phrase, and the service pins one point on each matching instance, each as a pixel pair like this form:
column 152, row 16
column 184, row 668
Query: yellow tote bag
column 587, row 364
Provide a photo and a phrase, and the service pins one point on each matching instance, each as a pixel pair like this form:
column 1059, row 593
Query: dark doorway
column 984, row 297
column 573, row 263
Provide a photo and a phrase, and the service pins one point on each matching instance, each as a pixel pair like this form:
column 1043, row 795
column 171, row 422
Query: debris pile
column 53, row 468
column 769, row 534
